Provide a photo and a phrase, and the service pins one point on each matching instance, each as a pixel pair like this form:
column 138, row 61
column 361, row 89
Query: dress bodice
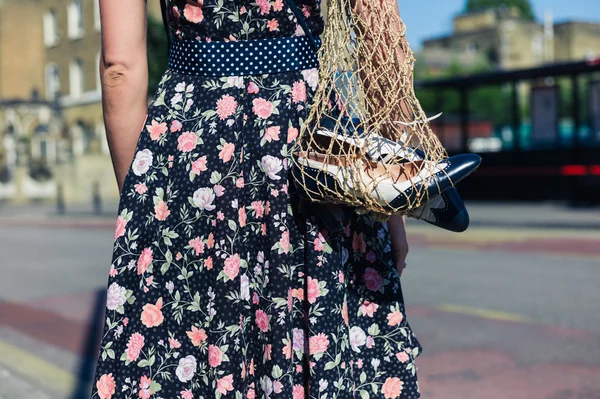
column 212, row 20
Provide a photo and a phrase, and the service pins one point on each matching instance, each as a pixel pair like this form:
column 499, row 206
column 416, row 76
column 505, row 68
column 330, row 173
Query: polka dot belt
column 242, row 57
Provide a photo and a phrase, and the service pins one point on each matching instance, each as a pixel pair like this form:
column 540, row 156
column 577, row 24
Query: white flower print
column 203, row 198
column 271, row 166
column 236, row 81
column 177, row 98
column 245, row 287
column 311, row 76
column 141, row 163
column 357, row 338
column 116, row 296
column 186, row 369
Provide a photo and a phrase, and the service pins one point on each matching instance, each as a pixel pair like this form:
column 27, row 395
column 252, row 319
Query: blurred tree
column 157, row 52
column 487, row 102
column 524, row 6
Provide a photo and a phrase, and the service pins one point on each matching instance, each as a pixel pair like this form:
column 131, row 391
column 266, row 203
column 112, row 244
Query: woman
column 223, row 282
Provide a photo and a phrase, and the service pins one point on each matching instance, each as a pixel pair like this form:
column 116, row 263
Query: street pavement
column 507, row 310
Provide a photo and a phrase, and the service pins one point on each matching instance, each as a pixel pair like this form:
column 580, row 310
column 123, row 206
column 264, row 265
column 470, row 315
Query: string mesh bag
column 365, row 94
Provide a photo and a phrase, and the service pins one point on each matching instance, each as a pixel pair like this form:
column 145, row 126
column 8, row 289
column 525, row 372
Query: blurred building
column 506, row 40
column 51, row 127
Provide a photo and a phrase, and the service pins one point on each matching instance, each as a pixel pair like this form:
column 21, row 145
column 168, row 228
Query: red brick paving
column 44, row 325
column 485, row 374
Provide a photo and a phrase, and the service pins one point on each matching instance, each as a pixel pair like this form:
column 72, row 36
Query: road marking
column 36, row 369
column 484, row 313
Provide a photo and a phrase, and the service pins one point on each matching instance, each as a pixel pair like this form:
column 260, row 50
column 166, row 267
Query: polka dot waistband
column 242, row 57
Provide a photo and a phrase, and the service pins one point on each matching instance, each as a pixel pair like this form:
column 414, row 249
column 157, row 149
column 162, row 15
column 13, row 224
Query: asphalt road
column 501, row 311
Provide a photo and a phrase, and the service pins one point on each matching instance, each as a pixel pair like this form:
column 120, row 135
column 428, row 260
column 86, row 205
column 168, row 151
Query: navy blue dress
column 223, row 282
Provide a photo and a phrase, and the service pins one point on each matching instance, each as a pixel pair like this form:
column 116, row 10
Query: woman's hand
column 397, row 227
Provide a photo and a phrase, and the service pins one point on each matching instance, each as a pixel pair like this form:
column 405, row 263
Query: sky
column 431, row 18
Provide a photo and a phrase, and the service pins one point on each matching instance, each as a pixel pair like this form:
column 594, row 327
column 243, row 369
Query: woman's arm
column 397, row 227
column 124, row 78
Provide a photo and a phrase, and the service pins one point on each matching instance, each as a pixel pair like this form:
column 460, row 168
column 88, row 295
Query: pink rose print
column 144, row 261
column 226, row 106
column 392, row 388
column 318, row 343
column 370, row 342
column 278, row 386
column 232, row 266
column 318, row 244
column 292, row 134
column 264, row 6
column 287, row 350
column 395, row 318
column 219, row 190
column 141, row 188
column 299, row 91
column 242, row 216
column 262, row 108
column 156, row 130
column 120, row 229
column 187, row 141
column 225, row 384
column 134, row 347
column 210, row 242
column 345, row 313
column 199, row 165
column 145, row 391
column 106, row 386
column 208, row 262
column 314, row 291
column 278, row 5
column 252, row 88
column 215, row 356
column 368, row 308
column 358, row 243
column 372, row 279
column 152, row 315
column 197, row 336
column 239, row 183
column 402, row 357
column 187, row 394
column 284, row 242
column 161, row 210
column 174, row 343
column 227, row 152
column 258, row 208
column 193, row 13
column 197, row 245
column 176, row 126
column 273, row 25
column 306, row 10
column 272, row 134
column 298, row 392
column 262, row 320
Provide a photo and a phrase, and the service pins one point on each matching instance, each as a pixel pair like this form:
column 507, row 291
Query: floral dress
column 224, row 282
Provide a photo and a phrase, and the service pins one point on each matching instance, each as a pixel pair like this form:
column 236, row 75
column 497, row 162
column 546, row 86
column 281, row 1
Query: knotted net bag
column 365, row 90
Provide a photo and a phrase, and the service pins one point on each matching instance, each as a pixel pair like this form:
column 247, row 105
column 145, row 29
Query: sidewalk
column 12, row 386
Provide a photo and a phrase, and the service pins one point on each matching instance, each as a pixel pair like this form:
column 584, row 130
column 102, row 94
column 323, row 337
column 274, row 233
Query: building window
column 96, row 14
column 75, row 19
column 52, row 82
column 76, row 78
column 50, row 29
